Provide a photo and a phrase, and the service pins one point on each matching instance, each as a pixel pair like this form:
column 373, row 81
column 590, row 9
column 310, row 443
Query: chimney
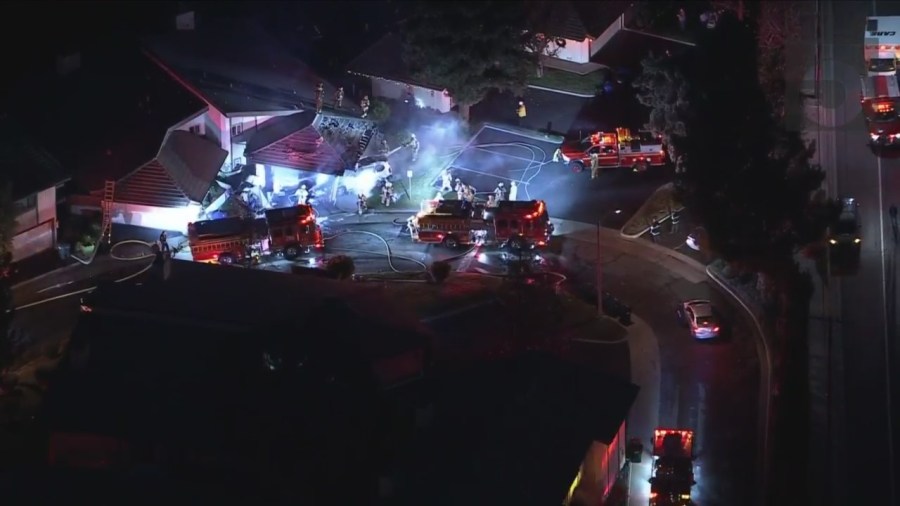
column 66, row 64
column 185, row 22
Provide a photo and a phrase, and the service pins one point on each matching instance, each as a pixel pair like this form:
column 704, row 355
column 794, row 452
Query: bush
column 440, row 271
column 340, row 267
column 379, row 111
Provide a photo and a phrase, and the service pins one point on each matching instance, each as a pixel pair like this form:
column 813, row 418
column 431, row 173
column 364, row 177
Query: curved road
column 860, row 310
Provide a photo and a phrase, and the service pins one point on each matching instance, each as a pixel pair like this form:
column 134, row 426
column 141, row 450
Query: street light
column 409, row 183
column 599, row 263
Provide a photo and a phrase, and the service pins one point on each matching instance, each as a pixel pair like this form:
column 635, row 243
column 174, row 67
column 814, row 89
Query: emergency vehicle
column 517, row 224
column 881, row 47
column 614, row 149
column 287, row 231
column 879, row 96
column 673, row 467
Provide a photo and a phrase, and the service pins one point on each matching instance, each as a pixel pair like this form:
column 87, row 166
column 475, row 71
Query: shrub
column 340, row 267
column 379, row 111
column 440, row 271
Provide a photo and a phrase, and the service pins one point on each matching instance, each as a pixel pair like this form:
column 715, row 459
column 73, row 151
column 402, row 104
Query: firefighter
column 163, row 243
column 339, row 97
column 513, row 190
column 521, row 112
column 387, row 194
column 595, row 165
column 446, row 180
column 679, row 164
column 320, row 96
column 385, row 148
column 414, row 146
column 491, row 202
column 361, row 205
column 676, row 218
column 654, row 230
column 500, row 192
column 302, row 195
column 460, row 190
column 470, row 195
column 595, row 138
column 364, row 105
column 410, row 97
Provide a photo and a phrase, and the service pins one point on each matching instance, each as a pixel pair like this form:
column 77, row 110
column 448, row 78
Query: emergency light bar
column 883, row 107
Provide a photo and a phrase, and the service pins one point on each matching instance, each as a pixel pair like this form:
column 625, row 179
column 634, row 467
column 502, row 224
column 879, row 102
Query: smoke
column 363, row 182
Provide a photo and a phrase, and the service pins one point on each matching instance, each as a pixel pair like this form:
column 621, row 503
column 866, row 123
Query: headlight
column 857, row 240
column 874, row 136
column 832, row 241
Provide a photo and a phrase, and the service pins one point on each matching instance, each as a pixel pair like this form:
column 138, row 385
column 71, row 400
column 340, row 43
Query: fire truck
column 673, row 467
column 614, row 149
column 879, row 96
column 288, row 231
column 520, row 225
column 882, row 45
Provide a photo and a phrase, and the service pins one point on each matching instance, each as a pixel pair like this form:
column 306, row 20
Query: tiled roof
column 29, row 167
column 238, row 68
column 384, row 60
column 579, row 20
column 306, row 141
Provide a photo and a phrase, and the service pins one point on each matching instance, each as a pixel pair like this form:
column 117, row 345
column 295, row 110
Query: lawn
column 556, row 79
column 657, row 208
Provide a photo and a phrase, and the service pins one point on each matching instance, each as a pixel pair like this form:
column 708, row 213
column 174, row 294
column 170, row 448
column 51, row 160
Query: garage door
column 33, row 241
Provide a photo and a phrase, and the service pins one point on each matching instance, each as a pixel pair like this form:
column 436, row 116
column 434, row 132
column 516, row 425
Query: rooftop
column 384, row 60
column 628, row 47
column 579, row 20
column 514, row 431
column 238, row 68
column 107, row 118
column 26, row 165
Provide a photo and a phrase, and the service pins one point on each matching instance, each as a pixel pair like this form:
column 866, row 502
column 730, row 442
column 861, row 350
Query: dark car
column 846, row 229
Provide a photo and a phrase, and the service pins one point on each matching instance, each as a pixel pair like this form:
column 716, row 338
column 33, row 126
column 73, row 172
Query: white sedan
column 699, row 316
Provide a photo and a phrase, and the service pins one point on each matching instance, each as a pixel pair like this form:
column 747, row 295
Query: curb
column 644, row 230
column 677, row 255
column 524, row 132
column 561, row 92
column 44, row 275
column 763, row 350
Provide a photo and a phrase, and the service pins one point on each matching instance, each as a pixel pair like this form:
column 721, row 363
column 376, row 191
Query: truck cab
column 293, row 231
column 614, row 149
column 879, row 96
column 673, row 467
column 882, row 45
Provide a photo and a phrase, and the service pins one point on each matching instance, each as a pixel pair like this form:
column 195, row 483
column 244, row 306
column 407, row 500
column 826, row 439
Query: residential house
column 525, row 429
column 279, row 390
column 383, row 64
column 34, row 176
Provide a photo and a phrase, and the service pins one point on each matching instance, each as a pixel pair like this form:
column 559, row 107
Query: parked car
column 698, row 315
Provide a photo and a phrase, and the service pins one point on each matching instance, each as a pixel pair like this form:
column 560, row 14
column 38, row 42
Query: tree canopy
column 7, row 222
column 747, row 179
column 469, row 48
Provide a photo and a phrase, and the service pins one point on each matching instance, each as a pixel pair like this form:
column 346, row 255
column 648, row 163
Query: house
column 525, row 429
column 245, row 77
column 276, row 391
column 383, row 64
column 122, row 125
column 34, row 176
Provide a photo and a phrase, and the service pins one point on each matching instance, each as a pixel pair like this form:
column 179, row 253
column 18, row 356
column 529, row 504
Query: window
column 196, row 129
column 26, row 204
column 237, row 129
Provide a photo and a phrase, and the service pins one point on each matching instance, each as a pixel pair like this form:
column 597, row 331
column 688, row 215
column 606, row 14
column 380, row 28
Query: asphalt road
column 863, row 306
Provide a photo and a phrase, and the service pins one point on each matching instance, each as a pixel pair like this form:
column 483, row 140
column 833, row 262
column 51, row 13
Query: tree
column 379, row 111
column 468, row 48
column 7, row 221
column 538, row 42
column 664, row 89
column 340, row 267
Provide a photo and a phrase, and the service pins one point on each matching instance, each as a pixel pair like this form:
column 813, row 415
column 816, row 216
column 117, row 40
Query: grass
column 556, row 79
column 657, row 208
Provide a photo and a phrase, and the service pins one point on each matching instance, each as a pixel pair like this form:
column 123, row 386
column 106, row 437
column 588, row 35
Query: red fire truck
column 673, row 467
column 288, row 231
column 879, row 96
column 517, row 224
column 614, row 149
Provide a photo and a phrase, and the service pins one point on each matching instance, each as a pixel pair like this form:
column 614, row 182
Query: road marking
column 54, row 287
column 518, row 181
column 887, row 343
column 522, row 158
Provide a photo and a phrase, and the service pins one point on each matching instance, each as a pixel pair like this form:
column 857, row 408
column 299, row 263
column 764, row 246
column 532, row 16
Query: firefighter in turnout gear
column 339, row 97
column 163, row 243
column 446, row 180
column 521, row 112
column 387, row 194
column 470, row 195
column 361, row 205
column 364, row 105
column 460, row 190
column 676, row 218
column 500, row 192
column 320, row 97
column 654, row 230
column 513, row 190
column 413, row 145
column 302, row 195
column 595, row 165
column 491, row 202
column 385, row 148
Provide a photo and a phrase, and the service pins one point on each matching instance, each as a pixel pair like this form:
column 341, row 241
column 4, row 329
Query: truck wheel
column 450, row 242
column 226, row 259
column 576, row 167
column 291, row 252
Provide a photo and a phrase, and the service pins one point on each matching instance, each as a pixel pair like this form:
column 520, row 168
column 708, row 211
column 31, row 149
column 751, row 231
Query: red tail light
column 716, row 329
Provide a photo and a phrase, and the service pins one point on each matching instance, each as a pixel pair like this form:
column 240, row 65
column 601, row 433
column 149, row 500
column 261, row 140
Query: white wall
column 574, row 51
column 432, row 99
column 44, row 210
column 35, row 230
column 155, row 217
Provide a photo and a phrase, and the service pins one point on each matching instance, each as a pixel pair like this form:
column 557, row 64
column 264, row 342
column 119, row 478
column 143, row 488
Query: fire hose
column 390, row 254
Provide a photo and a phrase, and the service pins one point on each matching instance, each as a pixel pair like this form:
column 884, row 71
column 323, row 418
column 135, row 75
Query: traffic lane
column 546, row 110
column 77, row 278
column 710, row 387
column 45, row 324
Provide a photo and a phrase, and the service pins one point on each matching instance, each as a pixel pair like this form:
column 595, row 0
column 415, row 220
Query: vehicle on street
column 879, row 96
column 697, row 239
column 614, row 149
column 518, row 225
column 288, row 231
column 673, row 467
column 846, row 229
column 881, row 47
column 699, row 316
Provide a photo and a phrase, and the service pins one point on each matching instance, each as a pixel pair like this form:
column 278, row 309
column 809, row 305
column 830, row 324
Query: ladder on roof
column 109, row 193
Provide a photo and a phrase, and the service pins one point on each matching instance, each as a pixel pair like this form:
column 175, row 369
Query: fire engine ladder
column 109, row 193
column 366, row 139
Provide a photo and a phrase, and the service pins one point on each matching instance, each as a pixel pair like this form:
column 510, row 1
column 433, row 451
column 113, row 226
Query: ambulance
column 881, row 47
